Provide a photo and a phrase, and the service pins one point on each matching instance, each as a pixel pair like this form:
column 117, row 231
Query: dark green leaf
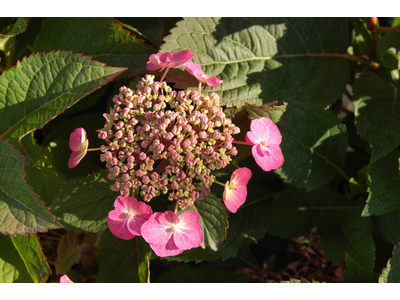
column 42, row 86
column 267, row 59
column 203, row 274
column 122, row 260
column 67, row 252
column 21, row 210
column 22, row 259
column 356, row 274
column 362, row 39
column 388, row 50
column 391, row 274
column 377, row 107
column 268, row 110
column 84, row 203
column 101, row 38
column 213, row 219
column 12, row 29
column 314, row 144
column 389, row 225
column 384, row 185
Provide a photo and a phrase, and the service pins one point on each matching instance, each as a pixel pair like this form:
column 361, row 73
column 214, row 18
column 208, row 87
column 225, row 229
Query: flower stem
column 165, row 73
column 176, row 207
column 199, row 87
column 242, row 143
column 94, row 149
column 220, row 183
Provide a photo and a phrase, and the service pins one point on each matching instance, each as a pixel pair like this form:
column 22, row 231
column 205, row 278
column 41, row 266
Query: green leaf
column 355, row 273
column 384, row 185
column 295, row 212
column 84, row 203
column 202, row 274
column 152, row 29
column 21, row 210
column 391, row 274
column 389, row 225
column 396, row 22
column 101, row 38
column 11, row 29
column 248, row 224
column 123, row 260
column 213, row 219
column 377, row 108
column 388, row 50
column 22, row 259
column 314, row 144
column 267, row 59
column 44, row 183
column 67, row 252
column 362, row 39
column 267, row 110
column 42, row 86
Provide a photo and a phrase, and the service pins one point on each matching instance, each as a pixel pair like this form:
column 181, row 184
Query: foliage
column 329, row 84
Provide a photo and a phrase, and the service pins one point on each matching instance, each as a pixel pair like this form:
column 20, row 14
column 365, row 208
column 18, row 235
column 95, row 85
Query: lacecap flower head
column 126, row 220
column 235, row 192
column 266, row 138
column 169, row 234
column 78, row 143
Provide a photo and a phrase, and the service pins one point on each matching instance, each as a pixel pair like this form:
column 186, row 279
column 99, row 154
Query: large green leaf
column 21, row 210
column 213, row 219
column 22, row 259
column 10, row 28
column 384, row 185
column 45, row 184
column 391, row 274
column 295, row 212
column 123, row 260
column 314, row 144
column 248, row 224
column 42, row 86
column 377, row 107
column 267, row 59
column 101, row 38
column 84, row 203
column 389, row 225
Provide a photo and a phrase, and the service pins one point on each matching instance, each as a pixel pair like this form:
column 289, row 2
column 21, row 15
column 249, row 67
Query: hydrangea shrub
column 206, row 150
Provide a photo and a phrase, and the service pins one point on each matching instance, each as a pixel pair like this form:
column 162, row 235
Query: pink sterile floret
column 235, row 192
column 266, row 138
column 169, row 234
column 126, row 220
column 65, row 279
column 168, row 59
column 78, row 143
column 197, row 72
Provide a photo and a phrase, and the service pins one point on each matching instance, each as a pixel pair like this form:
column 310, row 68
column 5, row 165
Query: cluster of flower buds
column 160, row 141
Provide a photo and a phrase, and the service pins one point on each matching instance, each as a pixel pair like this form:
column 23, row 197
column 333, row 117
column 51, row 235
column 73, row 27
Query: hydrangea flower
column 126, row 220
column 197, row 72
column 65, row 279
column 78, row 143
column 266, row 138
column 169, row 234
column 235, row 192
column 168, row 60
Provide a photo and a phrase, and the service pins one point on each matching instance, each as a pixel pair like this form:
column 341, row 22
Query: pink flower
column 170, row 235
column 126, row 220
column 266, row 138
column 65, row 279
column 78, row 143
column 197, row 72
column 235, row 192
column 168, row 59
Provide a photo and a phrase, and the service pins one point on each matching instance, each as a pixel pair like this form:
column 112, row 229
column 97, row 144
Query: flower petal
column 75, row 158
column 181, row 57
column 77, row 139
column 266, row 130
column 240, row 178
column 166, row 249
column 117, row 223
column 197, row 72
column 155, row 233
column 188, row 239
column 65, row 279
column 269, row 162
column 233, row 199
